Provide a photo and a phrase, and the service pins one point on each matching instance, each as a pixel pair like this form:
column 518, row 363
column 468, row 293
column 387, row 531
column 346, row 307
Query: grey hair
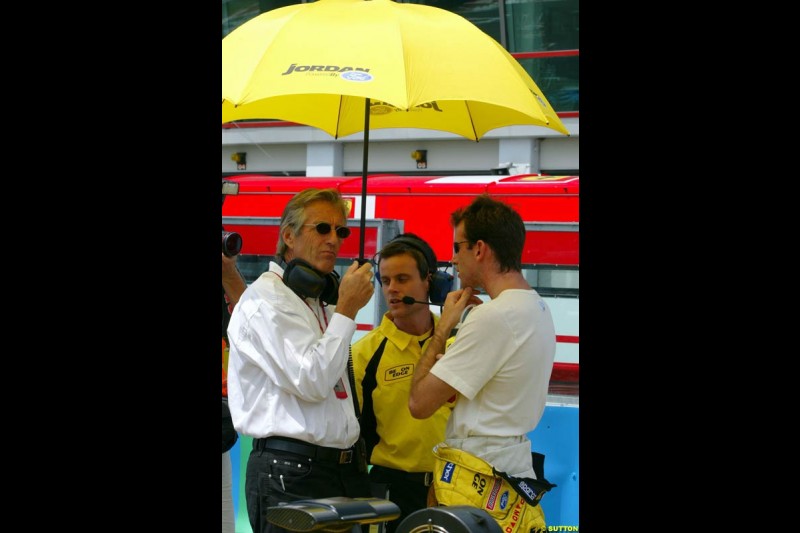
column 294, row 213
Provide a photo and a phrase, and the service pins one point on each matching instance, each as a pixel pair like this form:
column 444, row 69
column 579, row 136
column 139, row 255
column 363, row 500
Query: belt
column 320, row 453
column 422, row 478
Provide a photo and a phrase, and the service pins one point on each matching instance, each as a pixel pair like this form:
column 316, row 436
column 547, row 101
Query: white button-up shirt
column 287, row 354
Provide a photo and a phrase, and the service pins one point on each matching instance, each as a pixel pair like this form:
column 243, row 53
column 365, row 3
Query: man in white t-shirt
column 502, row 357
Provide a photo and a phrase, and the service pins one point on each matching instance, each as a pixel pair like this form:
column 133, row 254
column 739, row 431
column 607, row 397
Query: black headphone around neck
column 441, row 281
column 308, row 282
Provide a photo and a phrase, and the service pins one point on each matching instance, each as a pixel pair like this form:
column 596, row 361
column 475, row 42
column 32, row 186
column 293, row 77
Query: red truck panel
column 424, row 204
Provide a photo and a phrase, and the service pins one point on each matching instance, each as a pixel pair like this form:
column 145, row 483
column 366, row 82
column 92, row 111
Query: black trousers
column 274, row 477
column 408, row 491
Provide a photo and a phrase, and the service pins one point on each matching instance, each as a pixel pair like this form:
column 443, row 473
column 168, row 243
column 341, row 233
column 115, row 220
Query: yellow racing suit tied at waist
column 460, row 478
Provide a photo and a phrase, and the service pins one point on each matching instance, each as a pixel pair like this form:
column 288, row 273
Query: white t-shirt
column 500, row 363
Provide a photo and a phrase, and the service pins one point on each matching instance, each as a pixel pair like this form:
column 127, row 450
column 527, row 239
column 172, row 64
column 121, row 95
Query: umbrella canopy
column 315, row 63
column 325, row 63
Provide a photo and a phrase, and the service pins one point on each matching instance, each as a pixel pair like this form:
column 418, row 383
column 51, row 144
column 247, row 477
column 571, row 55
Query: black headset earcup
column 441, row 284
column 330, row 293
column 441, row 281
column 303, row 279
column 308, row 282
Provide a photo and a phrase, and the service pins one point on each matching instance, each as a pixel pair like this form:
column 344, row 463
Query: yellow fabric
column 460, row 478
column 406, row 443
column 421, row 66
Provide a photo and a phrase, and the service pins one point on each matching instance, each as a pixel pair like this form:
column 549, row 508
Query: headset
column 308, row 282
column 441, row 281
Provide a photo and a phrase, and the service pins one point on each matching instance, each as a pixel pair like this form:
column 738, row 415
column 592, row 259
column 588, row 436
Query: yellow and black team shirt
column 384, row 361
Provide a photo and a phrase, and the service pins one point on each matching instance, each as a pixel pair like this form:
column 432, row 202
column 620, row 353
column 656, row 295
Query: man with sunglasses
column 288, row 386
column 498, row 367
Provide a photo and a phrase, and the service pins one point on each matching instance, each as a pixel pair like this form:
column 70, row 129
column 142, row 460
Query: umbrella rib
column 471, row 122
column 339, row 116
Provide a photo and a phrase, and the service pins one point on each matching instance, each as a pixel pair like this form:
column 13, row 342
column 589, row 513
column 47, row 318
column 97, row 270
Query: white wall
column 274, row 149
column 266, row 157
column 559, row 153
column 442, row 155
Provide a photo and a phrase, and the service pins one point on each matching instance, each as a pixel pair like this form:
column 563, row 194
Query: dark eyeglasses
column 455, row 245
column 323, row 228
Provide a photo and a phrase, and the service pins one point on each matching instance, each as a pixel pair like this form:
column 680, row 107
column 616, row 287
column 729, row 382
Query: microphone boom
column 408, row 300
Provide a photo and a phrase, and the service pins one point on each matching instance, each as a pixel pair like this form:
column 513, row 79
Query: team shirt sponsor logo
column 399, row 372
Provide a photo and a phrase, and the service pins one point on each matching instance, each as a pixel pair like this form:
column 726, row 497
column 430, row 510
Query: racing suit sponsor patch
column 491, row 501
column 447, row 472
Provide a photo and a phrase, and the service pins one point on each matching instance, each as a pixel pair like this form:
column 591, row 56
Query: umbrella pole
column 364, row 165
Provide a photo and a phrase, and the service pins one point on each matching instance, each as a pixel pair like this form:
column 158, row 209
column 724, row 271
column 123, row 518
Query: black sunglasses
column 323, row 228
column 455, row 245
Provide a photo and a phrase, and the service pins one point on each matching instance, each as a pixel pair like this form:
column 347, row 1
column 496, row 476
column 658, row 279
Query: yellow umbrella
column 325, row 63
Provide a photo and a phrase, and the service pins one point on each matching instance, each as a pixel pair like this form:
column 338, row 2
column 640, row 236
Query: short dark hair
column 416, row 247
column 497, row 224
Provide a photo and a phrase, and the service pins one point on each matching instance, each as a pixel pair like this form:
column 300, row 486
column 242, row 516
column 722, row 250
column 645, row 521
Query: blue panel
column 235, row 465
column 239, row 463
column 556, row 437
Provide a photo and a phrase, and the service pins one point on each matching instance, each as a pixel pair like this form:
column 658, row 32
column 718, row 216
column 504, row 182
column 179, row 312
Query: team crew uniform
column 384, row 361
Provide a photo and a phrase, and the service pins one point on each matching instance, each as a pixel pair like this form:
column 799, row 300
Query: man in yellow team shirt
column 399, row 446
